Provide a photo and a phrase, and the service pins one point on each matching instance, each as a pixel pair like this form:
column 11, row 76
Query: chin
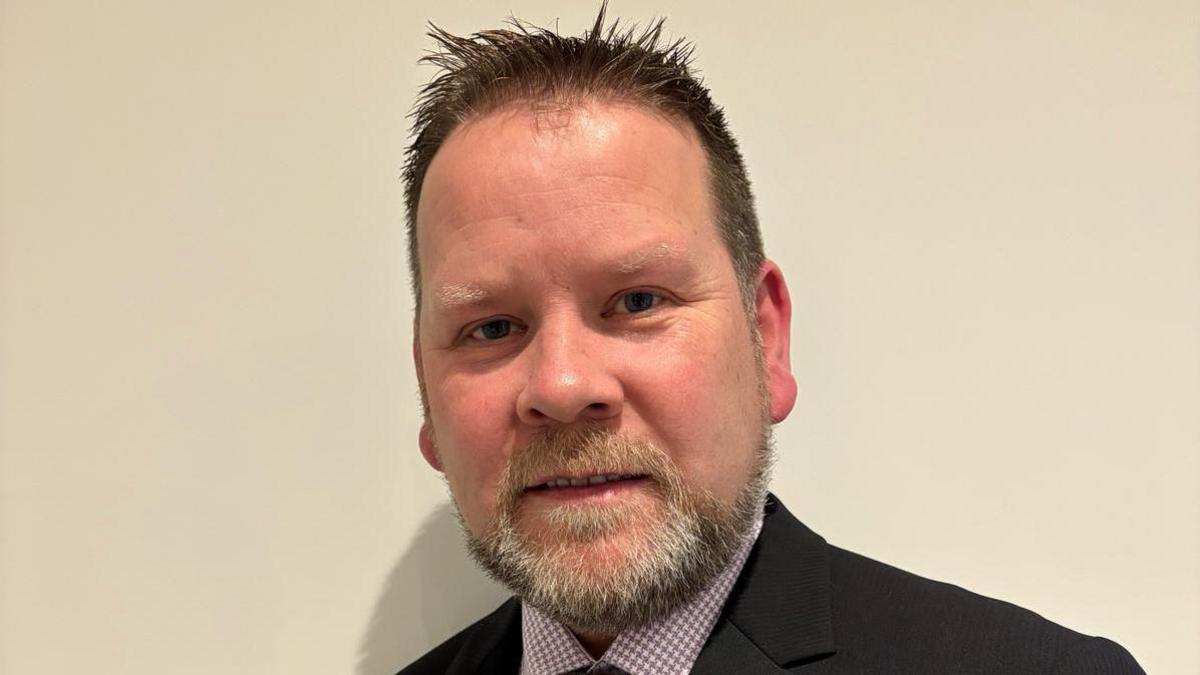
column 596, row 528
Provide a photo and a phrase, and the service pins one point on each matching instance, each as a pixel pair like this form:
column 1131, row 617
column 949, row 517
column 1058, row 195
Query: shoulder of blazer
column 801, row 605
column 490, row 645
column 887, row 617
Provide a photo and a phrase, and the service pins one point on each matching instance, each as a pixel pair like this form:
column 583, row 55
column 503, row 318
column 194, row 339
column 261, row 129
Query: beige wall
column 988, row 213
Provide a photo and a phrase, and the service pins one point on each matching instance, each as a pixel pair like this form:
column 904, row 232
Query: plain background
column 988, row 214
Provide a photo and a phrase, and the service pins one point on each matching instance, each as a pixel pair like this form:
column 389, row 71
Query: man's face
column 574, row 280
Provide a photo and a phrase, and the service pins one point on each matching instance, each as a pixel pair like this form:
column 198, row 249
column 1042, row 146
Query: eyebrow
column 453, row 296
column 640, row 260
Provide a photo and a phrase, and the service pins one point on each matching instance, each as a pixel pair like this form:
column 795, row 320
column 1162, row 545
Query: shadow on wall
column 434, row 591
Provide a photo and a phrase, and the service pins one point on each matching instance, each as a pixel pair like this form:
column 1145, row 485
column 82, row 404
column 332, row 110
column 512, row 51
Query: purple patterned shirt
column 667, row 647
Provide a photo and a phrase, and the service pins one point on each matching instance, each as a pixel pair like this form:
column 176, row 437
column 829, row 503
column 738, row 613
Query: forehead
column 578, row 181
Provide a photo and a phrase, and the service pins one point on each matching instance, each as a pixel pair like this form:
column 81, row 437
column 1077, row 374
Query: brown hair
column 490, row 69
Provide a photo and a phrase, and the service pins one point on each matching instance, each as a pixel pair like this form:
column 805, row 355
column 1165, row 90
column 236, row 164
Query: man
column 602, row 349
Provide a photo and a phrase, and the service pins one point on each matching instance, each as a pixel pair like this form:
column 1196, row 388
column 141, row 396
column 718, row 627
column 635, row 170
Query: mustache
column 583, row 449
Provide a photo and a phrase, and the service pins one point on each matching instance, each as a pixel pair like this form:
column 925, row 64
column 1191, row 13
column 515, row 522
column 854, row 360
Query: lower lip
column 598, row 491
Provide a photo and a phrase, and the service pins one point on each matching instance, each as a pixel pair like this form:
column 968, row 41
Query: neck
column 594, row 644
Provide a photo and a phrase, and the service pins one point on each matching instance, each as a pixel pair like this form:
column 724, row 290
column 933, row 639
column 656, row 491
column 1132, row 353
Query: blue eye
column 493, row 330
column 638, row 301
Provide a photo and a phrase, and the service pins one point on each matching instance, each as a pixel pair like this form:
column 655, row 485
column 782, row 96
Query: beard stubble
column 604, row 568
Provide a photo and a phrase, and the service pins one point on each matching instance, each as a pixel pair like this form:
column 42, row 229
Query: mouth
column 578, row 487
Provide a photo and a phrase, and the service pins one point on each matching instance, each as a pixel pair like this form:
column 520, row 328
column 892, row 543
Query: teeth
column 590, row 480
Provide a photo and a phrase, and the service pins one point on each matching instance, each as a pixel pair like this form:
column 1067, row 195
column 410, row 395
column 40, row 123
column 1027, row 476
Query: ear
column 429, row 447
column 425, row 439
column 774, row 307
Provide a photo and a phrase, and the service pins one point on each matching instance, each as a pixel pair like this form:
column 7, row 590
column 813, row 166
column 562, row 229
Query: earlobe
column 774, row 306
column 428, row 446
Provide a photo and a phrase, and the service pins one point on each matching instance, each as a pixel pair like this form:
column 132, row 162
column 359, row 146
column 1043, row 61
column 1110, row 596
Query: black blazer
column 803, row 606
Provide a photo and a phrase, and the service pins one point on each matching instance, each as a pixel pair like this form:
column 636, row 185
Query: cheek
column 699, row 396
column 471, row 419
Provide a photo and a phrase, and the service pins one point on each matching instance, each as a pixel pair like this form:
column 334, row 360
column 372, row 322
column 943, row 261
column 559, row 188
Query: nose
column 569, row 378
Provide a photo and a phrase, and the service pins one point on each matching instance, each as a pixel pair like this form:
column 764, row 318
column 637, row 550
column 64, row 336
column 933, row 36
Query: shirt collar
column 669, row 645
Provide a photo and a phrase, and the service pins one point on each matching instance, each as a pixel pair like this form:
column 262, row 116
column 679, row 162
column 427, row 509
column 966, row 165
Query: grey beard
column 679, row 555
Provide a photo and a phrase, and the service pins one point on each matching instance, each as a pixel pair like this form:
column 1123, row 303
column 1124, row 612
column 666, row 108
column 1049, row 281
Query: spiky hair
column 527, row 64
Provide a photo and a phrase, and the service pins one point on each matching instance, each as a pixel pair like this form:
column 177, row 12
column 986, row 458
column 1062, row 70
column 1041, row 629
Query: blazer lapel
column 729, row 650
column 779, row 614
